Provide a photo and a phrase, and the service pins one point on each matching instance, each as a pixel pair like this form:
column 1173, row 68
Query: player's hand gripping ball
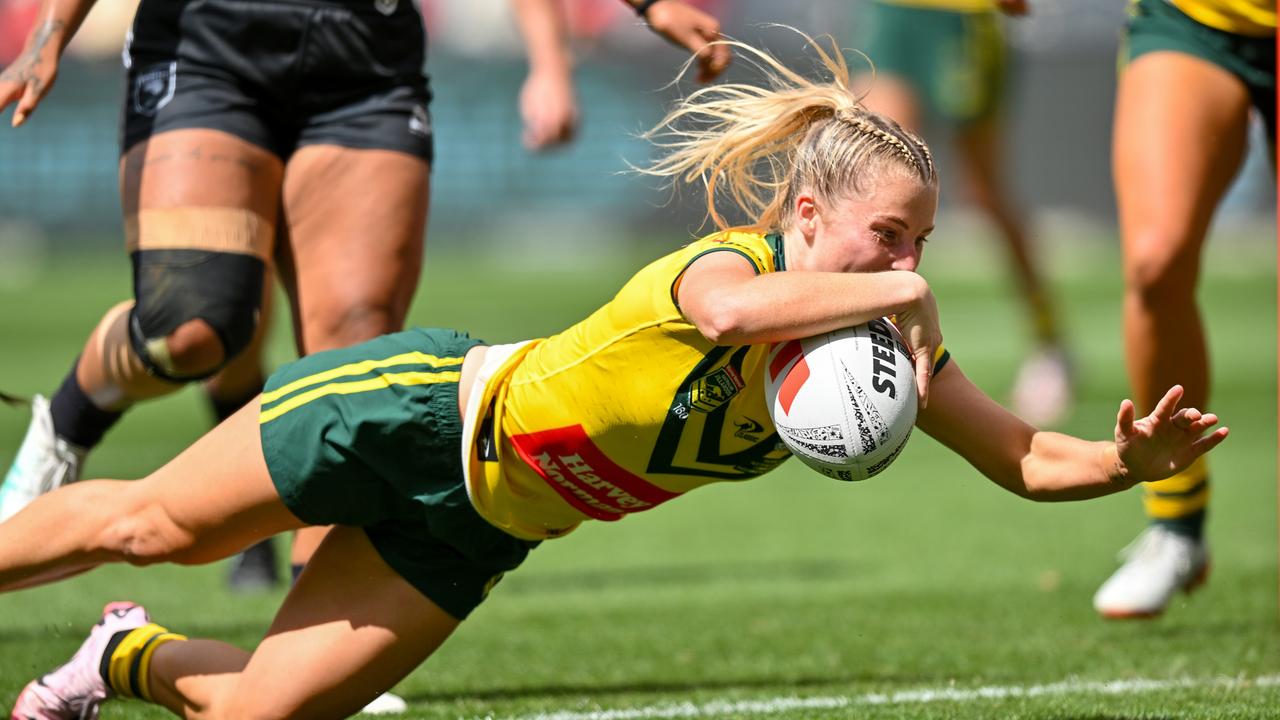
column 844, row 402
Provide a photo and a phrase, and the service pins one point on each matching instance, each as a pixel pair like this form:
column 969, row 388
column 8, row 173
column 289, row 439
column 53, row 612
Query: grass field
column 926, row 592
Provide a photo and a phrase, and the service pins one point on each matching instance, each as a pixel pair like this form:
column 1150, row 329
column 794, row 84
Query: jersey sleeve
column 751, row 247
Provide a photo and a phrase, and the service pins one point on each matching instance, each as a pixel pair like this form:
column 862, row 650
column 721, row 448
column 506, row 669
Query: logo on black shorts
column 420, row 122
column 386, row 7
column 153, row 88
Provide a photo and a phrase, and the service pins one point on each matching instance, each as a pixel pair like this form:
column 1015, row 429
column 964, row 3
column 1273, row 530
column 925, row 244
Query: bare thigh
column 355, row 221
column 200, row 168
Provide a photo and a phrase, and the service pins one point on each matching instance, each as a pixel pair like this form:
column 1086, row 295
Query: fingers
column 712, row 59
column 1185, row 418
column 1168, row 403
column 924, row 371
column 27, row 104
column 1208, row 442
column 1124, row 419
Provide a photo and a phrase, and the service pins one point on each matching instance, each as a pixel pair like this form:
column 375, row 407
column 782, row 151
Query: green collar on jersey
column 775, row 244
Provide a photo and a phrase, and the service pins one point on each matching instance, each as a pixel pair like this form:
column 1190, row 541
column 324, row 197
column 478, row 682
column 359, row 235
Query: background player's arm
column 31, row 75
column 1047, row 466
column 548, row 106
column 730, row 304
column 691, row 29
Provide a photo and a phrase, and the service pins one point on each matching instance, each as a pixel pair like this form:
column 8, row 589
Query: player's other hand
column 549, row 109
column 921, row 330
column 694, row 30
column 1166, row 441
column 29, row 78
column 1013, row 7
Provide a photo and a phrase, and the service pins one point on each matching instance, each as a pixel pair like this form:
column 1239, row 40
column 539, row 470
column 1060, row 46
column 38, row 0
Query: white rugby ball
column 844, row 402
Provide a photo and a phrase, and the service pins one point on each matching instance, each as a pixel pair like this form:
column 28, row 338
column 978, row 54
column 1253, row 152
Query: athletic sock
column 75, row 418
column 1179, row 503
column 126, row 663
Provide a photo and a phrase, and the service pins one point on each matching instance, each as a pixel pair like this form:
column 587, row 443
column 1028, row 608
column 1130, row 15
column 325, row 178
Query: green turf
column 927, row 577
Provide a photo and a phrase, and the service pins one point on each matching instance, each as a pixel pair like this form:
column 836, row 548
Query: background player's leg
column 1179, row 137
column 1042, row 392
column 198, row 207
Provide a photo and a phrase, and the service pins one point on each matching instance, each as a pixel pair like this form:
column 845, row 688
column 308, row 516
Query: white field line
column 778, row 705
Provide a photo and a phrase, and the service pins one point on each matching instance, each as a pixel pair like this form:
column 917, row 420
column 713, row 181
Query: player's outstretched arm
column 689, row 28
column 1051, row 466
column 548, row 105
column 31, row 75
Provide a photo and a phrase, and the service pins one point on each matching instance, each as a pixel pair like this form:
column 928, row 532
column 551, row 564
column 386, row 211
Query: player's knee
column 195, row 310
column 143, row 534
column 1159, row 275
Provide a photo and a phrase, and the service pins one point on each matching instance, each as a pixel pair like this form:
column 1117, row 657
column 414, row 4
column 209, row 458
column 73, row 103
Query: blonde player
column 1193, row 70
column 443, row 462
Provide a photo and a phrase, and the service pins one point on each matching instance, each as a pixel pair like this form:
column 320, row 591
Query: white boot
column 44, row 462
column 1157, row 564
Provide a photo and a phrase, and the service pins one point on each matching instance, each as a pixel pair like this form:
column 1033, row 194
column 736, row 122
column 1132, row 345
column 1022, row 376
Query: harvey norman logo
column 584, row 476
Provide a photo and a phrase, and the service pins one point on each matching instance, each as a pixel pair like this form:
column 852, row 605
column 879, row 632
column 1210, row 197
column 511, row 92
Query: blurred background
column 57, row 184
column 927, row 576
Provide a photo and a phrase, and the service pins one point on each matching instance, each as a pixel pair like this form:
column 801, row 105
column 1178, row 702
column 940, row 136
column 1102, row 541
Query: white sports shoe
column 386, row 704
column 1043, row 389
column 76, row 690
column 1157, row 564
column 44, row 462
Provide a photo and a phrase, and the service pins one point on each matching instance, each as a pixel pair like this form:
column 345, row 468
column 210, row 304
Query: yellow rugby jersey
column 1256, row 18
column 622, row 412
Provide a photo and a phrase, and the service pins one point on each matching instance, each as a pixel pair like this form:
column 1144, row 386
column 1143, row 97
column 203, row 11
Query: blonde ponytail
column 757, row 146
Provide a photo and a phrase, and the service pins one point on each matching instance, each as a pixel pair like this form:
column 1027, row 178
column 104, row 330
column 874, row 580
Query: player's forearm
column 788, row 305
column 542, row 25
column 1061, row 467
column 57, row 22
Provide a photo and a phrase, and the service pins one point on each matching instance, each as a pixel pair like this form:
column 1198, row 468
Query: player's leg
column 209, row 502
column 328, row 651
column 199, row 210
column 1179, row 138
column 1042, row 390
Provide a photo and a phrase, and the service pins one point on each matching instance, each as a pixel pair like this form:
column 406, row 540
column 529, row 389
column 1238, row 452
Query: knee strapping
column 195, row 263
column 174, row 287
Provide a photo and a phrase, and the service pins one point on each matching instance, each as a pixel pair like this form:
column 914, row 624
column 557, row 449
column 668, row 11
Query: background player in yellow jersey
column 1192, row 70
column 947, row 61
column 443, row 461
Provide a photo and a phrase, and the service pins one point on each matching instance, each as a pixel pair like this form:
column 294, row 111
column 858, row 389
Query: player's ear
column 806, row 214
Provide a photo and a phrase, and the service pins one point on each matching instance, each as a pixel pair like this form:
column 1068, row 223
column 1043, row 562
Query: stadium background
column 797, row 587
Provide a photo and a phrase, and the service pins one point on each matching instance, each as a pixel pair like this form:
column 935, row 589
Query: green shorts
column 954, row 60
column 370, row 436
column 1157, row 25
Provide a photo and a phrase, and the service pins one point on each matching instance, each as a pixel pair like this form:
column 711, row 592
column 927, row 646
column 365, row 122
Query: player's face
column 883, row 228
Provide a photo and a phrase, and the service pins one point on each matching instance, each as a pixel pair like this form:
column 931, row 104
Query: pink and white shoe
column 76, row 690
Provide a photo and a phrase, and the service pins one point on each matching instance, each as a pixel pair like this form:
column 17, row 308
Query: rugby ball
column 844, row 402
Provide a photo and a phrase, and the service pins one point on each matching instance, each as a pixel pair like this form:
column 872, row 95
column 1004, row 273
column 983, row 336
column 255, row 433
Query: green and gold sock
column 1179, row 502
column 126, row 663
